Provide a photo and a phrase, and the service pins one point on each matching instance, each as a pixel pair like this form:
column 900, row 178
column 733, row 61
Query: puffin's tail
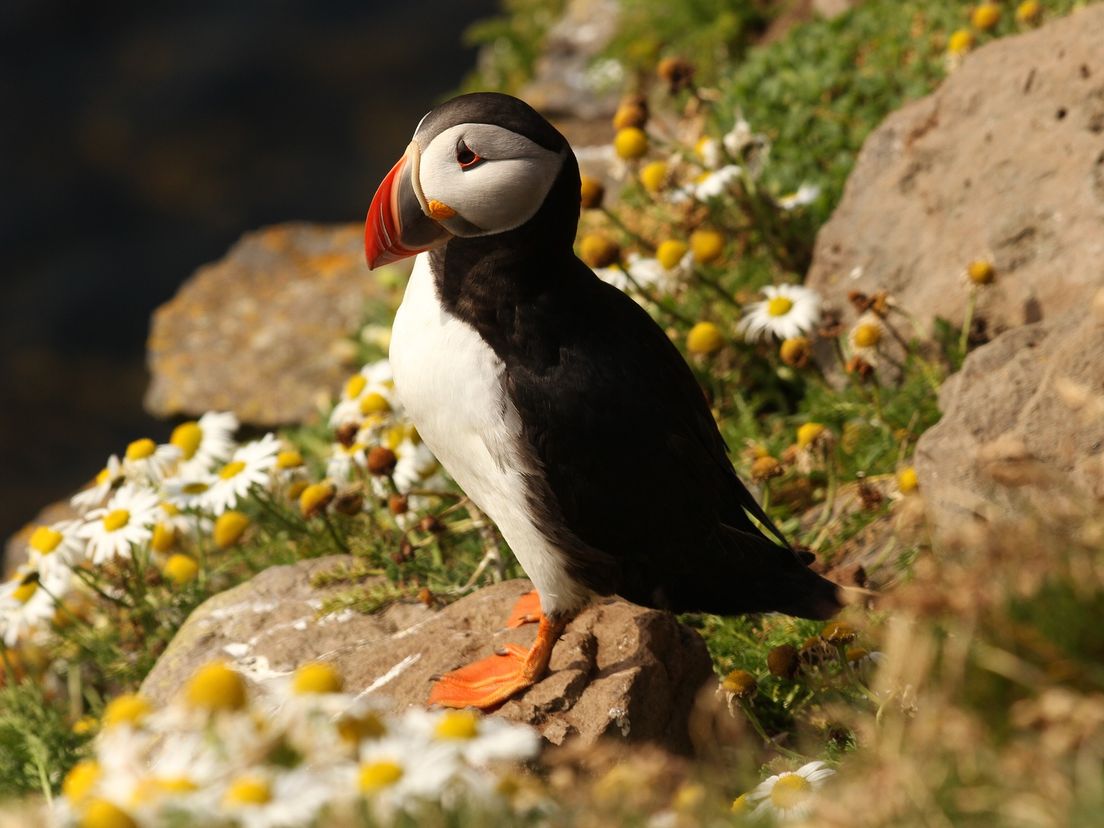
column 747, row 572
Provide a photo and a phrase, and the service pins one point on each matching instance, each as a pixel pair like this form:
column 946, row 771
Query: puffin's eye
column 465, row 157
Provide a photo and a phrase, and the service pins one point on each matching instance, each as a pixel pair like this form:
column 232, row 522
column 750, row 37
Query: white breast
column 451, row 384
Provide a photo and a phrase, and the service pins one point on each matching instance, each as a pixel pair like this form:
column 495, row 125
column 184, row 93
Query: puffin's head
column 478, row 165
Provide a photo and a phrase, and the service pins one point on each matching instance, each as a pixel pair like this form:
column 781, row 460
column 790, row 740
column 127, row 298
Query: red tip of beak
column 381, row 228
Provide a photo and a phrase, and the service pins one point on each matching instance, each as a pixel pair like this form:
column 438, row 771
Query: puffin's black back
column 630, row 477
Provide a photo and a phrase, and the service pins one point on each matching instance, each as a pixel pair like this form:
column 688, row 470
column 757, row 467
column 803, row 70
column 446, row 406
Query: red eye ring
column 466, row 156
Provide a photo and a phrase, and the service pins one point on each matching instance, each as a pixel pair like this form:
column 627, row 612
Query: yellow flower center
column 156, row 786
column 100, row 813
column 45, row 540
column 194, row 488
column 357, row 728
column 229, row 527
column 740, row 804
column 707, row 245
column 231, row 469
column 867, row 335
column 808, row 433
column 26, row 590
column 103, row 476
column 163, row 536
column 216, row 686
column 630, row 143
column 180, row 569
column 141, row 449
column 654, row 176
column 788, row 791
column 907, row 481
column 704, row 338
column 375, row 776
column 83, row 725
column 290, row 459
column 779, row 305
column 249, row 790
column 374, row 403
column 960, row 42
column 315, row 498
column 169, row 509
column 187, row 437
column 81, row 779
column 670, row 253
column 980, row 272
column 113, row 521
column 130, row 708
column 457, row 725
column 354, row 385
column 317, row 677
column 986, row 16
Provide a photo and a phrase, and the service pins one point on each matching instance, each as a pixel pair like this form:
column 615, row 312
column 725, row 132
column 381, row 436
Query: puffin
column 555, row 401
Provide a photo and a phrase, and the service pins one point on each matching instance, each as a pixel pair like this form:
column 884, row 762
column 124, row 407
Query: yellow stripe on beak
column 439, row 210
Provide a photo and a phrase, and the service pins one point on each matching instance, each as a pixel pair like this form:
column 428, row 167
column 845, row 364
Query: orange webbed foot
column 489, row 682
column 526, row 611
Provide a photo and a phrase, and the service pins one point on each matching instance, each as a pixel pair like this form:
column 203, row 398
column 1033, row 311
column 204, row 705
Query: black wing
column 634, row 465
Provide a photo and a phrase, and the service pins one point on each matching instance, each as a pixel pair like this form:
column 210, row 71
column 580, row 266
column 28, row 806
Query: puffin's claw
column 526, row 611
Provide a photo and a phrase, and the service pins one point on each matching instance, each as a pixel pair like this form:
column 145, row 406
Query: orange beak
column 397, row 226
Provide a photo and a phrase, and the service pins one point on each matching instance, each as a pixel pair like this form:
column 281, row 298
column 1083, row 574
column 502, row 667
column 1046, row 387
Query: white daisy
column 787, row 312
column 346, row 460
column 28, row 600
column 787, row 795
column 109, row 478
column 205, row 443
column 638, row 271
column 416, row 463
column 146, row 461
column 709, row 151
column 127, row 519
column 272, row 799
column 57, row 545
column 371, row 391
column 751, row 148
column 865, row 336
column 476, row 739
column 398, row 772
column 806, row 194
column 716, row 183
column 188, row 493
column 250, row 465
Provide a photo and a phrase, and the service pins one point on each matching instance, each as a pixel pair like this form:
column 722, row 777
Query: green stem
column 620, row 225
column 333, row 533
column 758, row 727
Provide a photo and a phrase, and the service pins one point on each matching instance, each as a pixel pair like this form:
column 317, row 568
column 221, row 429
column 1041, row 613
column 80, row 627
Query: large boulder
column 1005, row 162
column 619, row 669
column 260, row 331
column 1023, row 424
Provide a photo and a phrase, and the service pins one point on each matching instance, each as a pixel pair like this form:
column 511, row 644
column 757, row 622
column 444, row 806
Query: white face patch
column 501, row 192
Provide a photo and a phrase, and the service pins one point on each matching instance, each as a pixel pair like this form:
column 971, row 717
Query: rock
column 260, row 332
column 566, row 84
column 1023, row 424
column 1005, row 162
column 619, row 669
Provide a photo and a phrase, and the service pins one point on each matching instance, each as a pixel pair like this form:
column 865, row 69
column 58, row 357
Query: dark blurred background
column 138, row 140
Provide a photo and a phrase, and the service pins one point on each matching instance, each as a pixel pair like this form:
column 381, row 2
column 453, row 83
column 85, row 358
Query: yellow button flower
column 670, row 253
column 630, row 143
column 986, row 16
column 707, row 245
column 216, row 686
column 229, row 527
column 316, row 677
column 654, row 176
column 704, row 338
column 129, row 708
column 180, row 569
